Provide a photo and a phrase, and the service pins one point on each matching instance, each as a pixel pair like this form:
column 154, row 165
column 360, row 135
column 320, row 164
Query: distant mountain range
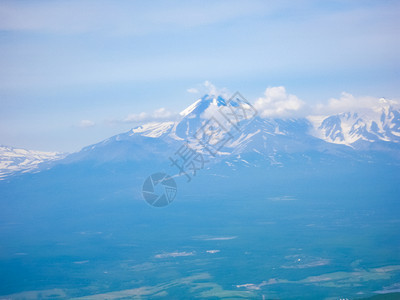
column 353, row 129
column 14, row 160
column 250, row 141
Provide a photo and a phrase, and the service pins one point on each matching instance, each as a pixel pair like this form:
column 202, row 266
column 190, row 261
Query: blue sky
column 75, row 72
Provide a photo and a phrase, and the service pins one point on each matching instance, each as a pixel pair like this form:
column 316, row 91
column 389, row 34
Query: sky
column 75, row 72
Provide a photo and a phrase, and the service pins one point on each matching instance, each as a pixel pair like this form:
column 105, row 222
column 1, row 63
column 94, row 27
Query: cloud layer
column 276, row 102
column 161, row 114
column 86, row 123
column 349, row 103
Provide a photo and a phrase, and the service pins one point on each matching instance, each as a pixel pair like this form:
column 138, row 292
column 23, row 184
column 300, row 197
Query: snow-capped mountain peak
column 14, row 160
column 347, row 128
column 202, row 104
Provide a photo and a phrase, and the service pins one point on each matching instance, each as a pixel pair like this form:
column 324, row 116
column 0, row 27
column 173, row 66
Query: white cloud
column 278, row 103
column 349, row 103
column 86, row 123
column 212, row 90
column 157, row 115
column 162, row 113
column 207, row 87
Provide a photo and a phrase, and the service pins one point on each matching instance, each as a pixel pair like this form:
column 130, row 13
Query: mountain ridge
column 349, row 134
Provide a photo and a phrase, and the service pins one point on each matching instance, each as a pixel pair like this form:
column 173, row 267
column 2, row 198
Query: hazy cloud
column 160, row 114
column 276, row 103
column 207, row 87
column 192, row 90
column 126, row 17
column 211, row 89
column 349, row 103
column 86, row 123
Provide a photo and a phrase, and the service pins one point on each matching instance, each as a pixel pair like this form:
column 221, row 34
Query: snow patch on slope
column 153, row 129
